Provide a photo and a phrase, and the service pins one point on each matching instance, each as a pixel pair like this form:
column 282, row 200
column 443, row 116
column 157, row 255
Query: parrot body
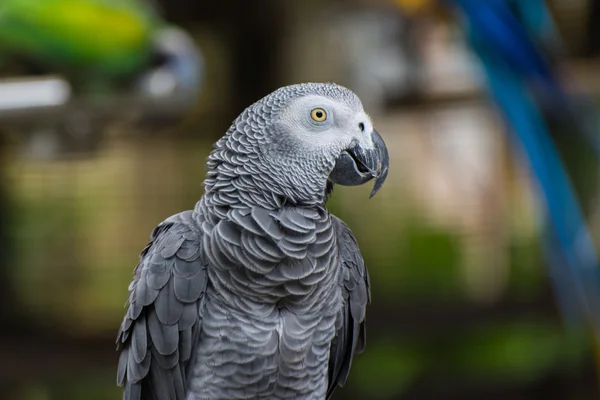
column 259, row 292
column 107, row 37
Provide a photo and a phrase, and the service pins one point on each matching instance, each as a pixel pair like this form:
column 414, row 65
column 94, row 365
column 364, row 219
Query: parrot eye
column 318, row 114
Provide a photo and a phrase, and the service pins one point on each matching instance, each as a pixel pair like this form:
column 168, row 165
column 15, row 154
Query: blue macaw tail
column 569, row 243
column 522, row 35
column 493, row 25
column 522, row 81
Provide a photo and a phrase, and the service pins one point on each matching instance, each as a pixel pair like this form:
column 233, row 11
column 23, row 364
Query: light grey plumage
column 259, row 292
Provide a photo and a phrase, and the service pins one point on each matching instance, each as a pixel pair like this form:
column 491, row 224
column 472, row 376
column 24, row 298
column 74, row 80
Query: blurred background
column 108, row 112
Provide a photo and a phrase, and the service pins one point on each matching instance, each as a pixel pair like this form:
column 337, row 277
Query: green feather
column 108, row 37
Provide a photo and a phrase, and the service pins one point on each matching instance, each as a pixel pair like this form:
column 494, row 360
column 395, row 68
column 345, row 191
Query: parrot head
column 302, row 139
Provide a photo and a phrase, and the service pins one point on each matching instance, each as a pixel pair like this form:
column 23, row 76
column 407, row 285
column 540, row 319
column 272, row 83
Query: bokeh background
column 462, row 307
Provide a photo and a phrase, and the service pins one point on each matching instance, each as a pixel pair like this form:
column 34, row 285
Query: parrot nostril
column 361, row 126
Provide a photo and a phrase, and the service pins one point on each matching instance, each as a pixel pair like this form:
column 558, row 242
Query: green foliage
column 388, row 369
column 93, row 385
column 528, row 274
column 515, row 351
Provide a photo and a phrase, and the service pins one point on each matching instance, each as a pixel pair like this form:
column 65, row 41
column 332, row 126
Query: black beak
column 356, row 165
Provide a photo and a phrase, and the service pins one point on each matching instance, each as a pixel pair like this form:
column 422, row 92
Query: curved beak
column 357, row 165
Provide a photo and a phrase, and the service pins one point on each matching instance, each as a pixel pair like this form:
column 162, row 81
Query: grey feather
column 188, row 289
column 167, row 361
column 189, row 317
column 156, row 337
column 295, row 221
column 139, row 344
column 132, row 391
column 244, row 219
column 268, row 248
column 168, row 307
column 122, row 368
column 158, row 275
column 185, row 345
column 229, row 232
column 264, row 219
column 351, row 335
column 144, row 294
column 164, row 337
column 307, row 238
column 297, row 269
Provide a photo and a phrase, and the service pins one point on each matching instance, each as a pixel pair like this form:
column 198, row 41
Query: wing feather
column 159, row 331
column 350, row 338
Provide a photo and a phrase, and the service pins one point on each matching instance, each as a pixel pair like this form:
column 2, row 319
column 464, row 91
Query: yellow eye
column 318, row 114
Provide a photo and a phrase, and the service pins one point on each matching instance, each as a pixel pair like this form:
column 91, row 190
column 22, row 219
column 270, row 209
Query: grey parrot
column 259, row 292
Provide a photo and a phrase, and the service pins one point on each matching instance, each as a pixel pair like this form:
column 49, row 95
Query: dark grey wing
column 158, row 334
column 350, row 338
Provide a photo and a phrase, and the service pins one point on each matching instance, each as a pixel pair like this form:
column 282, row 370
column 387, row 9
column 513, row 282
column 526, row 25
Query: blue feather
column 509, row 38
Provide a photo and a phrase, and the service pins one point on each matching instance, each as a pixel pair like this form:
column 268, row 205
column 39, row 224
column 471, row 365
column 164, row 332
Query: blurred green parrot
column 108, row 59
column 98, row 39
